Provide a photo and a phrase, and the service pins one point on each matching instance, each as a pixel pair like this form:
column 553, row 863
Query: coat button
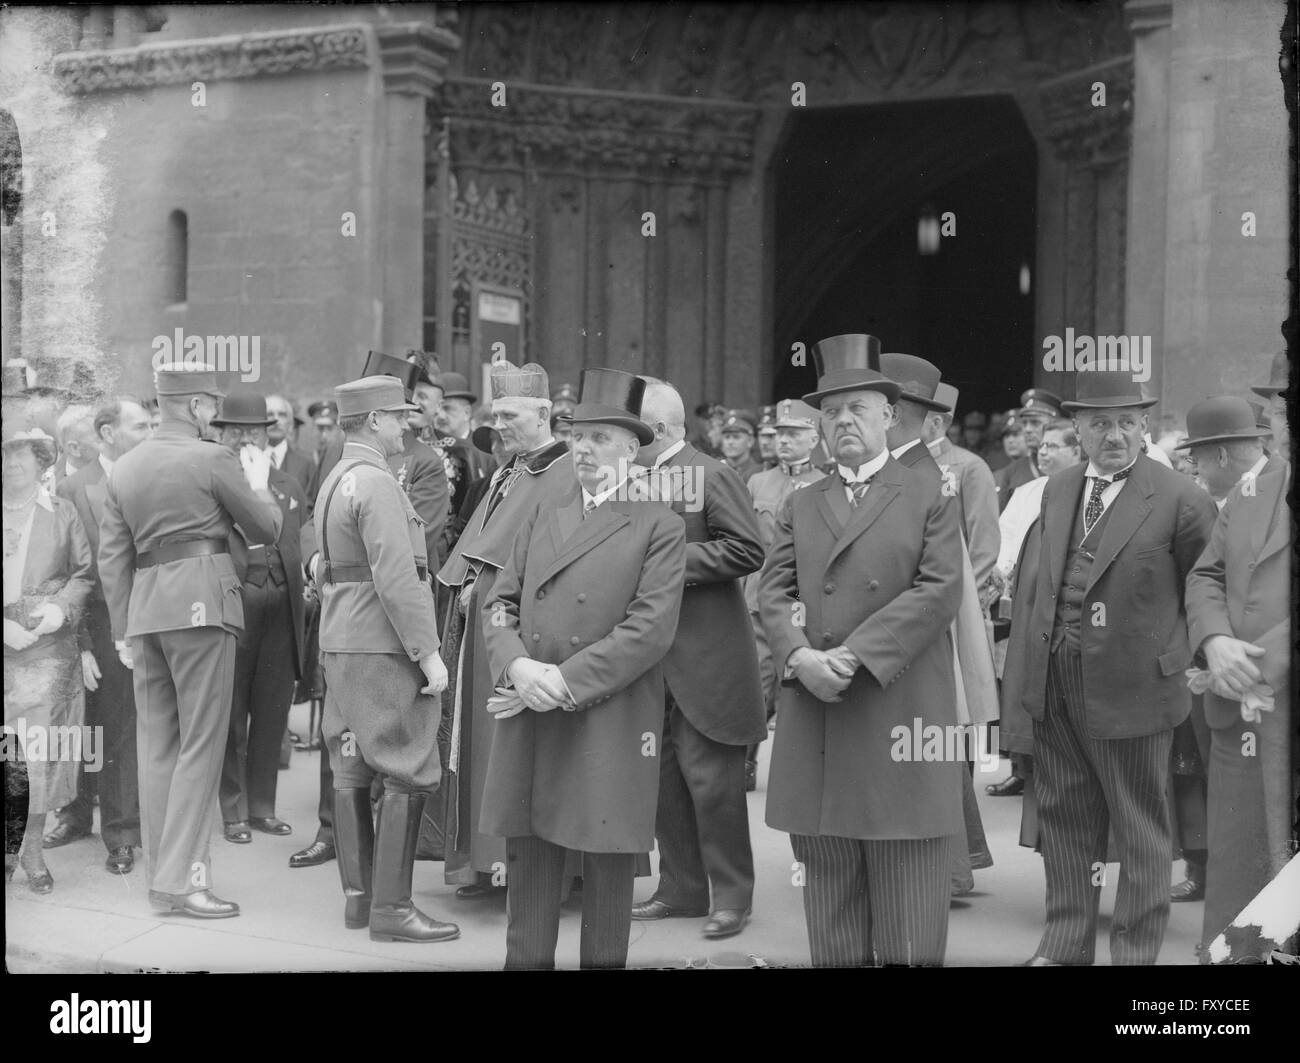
column 541, row 594
column 574, row 640
column 582, row 597
column 829, row 588
column 827, row 636
column 537, row 637
column 1043, row 636
column 873, row 584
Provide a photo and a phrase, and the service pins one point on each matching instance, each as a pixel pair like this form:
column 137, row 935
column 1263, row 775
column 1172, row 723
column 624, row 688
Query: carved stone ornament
column 1079, row 129
column 213, row 59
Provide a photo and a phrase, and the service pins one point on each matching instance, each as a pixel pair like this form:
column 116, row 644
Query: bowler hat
column 41, row 443
column 739, row 421
column 1103, row 389
column 483, row 436
column 1223, row 419
column 611, row 396
column 916, row 378
column 455, row 386
column 850, row 362
column 1041, row 401
column 409, row 373
column 1277, row 377
column 246, row 408
column 371, row 393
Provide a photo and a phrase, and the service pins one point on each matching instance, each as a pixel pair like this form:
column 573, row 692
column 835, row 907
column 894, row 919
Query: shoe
column 392, row 915
column 269, row 825
column 40, row 883
column 120, row 860
column 62, row 833
column 1041, row 961
column 1190, row 889
column 657, row 909
column 1011, row 786
column 726, row 922
column 751, row 777
column 482, row 890
column 201, row 905
column 238, row 832
column 354, row 837
column 315, row 853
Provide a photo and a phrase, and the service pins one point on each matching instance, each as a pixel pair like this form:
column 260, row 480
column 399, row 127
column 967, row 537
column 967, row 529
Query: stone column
column 414, row 58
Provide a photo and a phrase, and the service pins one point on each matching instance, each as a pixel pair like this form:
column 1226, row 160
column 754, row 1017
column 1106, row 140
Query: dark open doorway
column 850, row 186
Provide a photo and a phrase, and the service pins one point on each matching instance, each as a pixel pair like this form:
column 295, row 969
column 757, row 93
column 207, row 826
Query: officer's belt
column 179, row 551
column 348, row 572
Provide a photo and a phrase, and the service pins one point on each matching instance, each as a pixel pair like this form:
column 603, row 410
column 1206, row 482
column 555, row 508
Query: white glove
column 51, row 617
column 90, row 673
column 18, row 637
column 257, row 466
column 124, row 654
column 435, row 672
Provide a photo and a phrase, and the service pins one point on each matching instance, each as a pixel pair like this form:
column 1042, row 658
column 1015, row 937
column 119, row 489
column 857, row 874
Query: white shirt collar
column 279, row 451
column 1095, row 473
column 588, row 499
column 68, row 468
column 934, row 447
column 106, row 464
column 898, row 452
column 668, row 453
column 866, row 470
column 44, row 499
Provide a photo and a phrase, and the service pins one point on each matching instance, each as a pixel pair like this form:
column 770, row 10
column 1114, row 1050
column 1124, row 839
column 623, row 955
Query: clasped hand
column 1229, row 661
column 540, row 686
column 825, row 674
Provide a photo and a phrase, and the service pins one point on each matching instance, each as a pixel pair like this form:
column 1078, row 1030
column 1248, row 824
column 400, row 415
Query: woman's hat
column 42, row 445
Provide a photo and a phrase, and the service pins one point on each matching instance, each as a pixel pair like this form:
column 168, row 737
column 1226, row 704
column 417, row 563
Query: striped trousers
column 534, row 891
column 869, row 903
column 1084, row 785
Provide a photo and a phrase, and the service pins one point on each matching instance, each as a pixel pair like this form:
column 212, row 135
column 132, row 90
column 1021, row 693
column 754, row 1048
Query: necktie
column 858, row 488
column 1092, row 513
column 275, row 458
column 589, row 508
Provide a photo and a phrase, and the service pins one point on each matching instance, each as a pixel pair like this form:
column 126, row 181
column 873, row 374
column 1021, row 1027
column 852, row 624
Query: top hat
column 739, row 421
column 1100, row 389
column 455, row 386
column 1277, row 378
column 795, row 413
column 1223, row 419
column 947, row 394
column 182, row 379
column 482, row 437
column 527, row 381
column 1044, row 402
column 916, row 378
column 325, row 408
column 372, row 393
column 849, row 363
column 409, row 373
column 41, row 442
column 247, row 408
column 611, row 396
column 426, row 360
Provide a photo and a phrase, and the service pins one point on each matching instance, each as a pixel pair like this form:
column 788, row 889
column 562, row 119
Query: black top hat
column 483, row 436
column 1041, row 401
column 380, row 364
column 1277, row 378
column 247, row 408
column 849, row 363
column 1103, row 389
column 611, row 396
column 916, row 378
column 1223, row 419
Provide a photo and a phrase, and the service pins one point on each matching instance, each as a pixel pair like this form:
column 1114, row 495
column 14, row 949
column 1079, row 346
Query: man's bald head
column 663, row 410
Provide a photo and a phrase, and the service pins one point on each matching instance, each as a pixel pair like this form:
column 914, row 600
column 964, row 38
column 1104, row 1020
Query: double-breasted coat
column 884, row 580
column 599, row 597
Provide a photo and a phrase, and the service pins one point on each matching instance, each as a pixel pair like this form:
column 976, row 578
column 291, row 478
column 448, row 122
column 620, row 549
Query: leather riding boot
column 354, row 841
column 392, row 915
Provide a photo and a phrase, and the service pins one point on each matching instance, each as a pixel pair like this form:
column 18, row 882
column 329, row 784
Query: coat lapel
column 589, row 533
column 1276, row 532
column 1058, row 524
column 1128, row 511
column 833, row 504
column 883, row 490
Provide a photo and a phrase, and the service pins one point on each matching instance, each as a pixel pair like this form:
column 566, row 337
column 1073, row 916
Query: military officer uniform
column 172, row 591
column 745, row 466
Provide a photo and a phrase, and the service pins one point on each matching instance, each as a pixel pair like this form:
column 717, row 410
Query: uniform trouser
column 1083, row 786
column 1239, row 865
column 259, row 710
column 535, row 887
column 702, row 825
column 877, row 902
column 111, row 707
column 183, row 682
column 377, row 722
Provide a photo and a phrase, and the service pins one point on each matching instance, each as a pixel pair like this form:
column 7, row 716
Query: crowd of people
column 546, row 634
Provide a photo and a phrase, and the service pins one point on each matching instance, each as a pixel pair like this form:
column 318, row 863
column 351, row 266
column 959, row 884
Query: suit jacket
column 712, row 668
column 745, row 468
column 300, row 465
column 1133, row 662
column 173, row 488
column 977, row 494
column 884, row 580
column 86, row 490
column 294, row 512
column 1241, row 585
column 1011, row 476
column 599, row 598
column 370, row 520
